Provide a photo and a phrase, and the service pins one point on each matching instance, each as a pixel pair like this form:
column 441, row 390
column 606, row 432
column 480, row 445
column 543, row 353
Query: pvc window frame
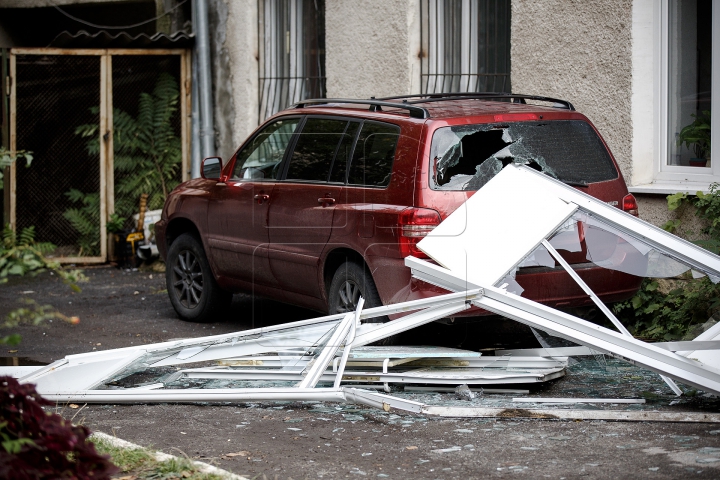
column 671, row 178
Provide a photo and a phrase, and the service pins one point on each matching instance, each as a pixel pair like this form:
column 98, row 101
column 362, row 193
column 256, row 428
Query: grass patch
column 140, row 464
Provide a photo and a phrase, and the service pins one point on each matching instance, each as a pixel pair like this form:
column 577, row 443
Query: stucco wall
column 372, row 47
column 579, row 51
column 241, row 75
column 223, row 101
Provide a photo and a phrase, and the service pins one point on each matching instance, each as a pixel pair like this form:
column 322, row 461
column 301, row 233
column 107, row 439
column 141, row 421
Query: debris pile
column 329, row 358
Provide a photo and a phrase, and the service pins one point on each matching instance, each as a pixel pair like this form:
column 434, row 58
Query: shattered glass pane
column 539, row 257
column 610, row 248
column 293, row 345
column 467, row 157
column 567, row 237
column 510, row 285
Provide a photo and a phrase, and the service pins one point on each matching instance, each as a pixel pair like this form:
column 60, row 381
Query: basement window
column 466, row 157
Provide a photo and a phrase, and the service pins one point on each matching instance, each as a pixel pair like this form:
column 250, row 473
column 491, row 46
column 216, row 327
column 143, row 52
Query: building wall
column 372, row 47
column 585, row 52
column 579, row 51
column 235, row 71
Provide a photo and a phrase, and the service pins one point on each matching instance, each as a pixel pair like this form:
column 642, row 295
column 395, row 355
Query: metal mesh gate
column 146, row 131
column 60, row 193
column 104, row 128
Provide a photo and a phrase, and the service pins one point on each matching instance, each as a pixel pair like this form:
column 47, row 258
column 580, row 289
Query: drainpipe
column 196, row 151
column 202, row 59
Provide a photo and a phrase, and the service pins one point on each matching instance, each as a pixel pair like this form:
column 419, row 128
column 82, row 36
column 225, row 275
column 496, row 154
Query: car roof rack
column 440, row 97
column 375, row 105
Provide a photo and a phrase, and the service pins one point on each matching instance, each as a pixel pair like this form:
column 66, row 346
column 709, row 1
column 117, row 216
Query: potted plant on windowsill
column 696, row 136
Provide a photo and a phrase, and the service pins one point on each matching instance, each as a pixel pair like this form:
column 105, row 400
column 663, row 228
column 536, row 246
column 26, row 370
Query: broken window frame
column 58, row 381
column 565, row 200
column 535, row 315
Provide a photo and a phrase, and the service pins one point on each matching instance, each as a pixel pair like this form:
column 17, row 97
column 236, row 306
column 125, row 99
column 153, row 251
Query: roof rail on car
column 375, row 105
column 439, row 97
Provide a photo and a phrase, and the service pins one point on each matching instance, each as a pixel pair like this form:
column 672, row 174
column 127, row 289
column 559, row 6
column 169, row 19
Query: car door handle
column 261, row 197
column 328, row 200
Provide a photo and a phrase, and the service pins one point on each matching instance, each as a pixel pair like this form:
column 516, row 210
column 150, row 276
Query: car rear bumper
column 549, row 286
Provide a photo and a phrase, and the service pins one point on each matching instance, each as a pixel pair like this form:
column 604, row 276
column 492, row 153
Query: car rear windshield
column 466, row 157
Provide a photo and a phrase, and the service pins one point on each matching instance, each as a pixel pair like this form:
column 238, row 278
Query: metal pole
column 196, row 147
column 202, row 59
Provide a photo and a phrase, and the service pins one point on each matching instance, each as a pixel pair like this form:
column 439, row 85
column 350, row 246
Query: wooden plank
column 13, row 141
column 146, row 51
column 98, row 51
column 58, row 51
column 110, row 159
column 185, row 112
column 79, row 260
column 4, row 106
column 105, row 84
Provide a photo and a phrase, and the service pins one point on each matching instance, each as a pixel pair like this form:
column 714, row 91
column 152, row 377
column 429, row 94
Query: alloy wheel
column 188, row 279
column 349, row 294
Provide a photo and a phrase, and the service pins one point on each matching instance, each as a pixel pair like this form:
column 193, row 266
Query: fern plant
column 7, row 159
column 147, row 152
column 85, row 220
column 20, row 254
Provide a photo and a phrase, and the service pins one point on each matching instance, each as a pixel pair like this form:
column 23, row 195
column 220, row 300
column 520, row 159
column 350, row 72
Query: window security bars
column 466, row 46
column 292, row 52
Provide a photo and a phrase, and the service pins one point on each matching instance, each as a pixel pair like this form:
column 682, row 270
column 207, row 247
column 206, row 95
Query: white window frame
column 651, row 38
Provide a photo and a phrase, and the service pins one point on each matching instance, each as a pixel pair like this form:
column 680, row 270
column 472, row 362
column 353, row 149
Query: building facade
column 641, row 70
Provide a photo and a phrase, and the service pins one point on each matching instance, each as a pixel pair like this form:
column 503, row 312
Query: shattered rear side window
column 467, row 157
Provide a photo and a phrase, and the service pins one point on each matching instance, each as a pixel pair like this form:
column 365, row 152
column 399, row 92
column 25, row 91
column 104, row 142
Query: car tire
column 191, row 286
column 350, row 282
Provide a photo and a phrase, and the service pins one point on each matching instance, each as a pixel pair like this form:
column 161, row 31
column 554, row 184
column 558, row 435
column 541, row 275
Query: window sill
column 668, row 188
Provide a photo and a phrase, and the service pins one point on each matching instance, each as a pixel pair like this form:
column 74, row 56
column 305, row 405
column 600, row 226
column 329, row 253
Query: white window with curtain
column 689, row 73
column 466, row 45
column 292, row 52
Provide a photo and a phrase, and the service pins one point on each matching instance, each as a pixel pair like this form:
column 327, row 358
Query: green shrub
column 21, row 255
column 668, row 310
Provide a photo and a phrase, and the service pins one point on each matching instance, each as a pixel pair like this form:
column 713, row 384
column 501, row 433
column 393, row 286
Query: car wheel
column 350, row 282
column 192, row 289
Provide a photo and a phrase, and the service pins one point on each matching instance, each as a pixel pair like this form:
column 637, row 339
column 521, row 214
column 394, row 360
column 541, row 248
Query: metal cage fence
column 59, row 193
column 292, row 53
column 466, row 45
column 105, row 127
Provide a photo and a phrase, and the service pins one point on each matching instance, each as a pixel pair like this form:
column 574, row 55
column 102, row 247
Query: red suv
column 323, row 201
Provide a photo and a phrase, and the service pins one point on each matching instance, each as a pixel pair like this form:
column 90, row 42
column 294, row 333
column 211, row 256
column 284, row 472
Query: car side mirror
column 211, row 168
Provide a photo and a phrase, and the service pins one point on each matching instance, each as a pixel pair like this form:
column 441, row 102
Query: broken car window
column 467, row 157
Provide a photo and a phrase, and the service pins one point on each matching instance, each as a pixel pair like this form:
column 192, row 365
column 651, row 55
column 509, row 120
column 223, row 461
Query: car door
column 237, row 217
column 303, row 203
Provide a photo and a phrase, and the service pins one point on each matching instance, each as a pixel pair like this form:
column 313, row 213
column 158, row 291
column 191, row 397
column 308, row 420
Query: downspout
column 196, row 151
column 204, row 83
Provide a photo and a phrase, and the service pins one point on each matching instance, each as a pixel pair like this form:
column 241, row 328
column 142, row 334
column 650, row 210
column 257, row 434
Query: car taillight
column 629, row 204
column 415, row 223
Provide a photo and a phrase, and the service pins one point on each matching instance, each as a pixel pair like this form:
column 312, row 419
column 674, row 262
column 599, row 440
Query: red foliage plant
column 42, row 445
